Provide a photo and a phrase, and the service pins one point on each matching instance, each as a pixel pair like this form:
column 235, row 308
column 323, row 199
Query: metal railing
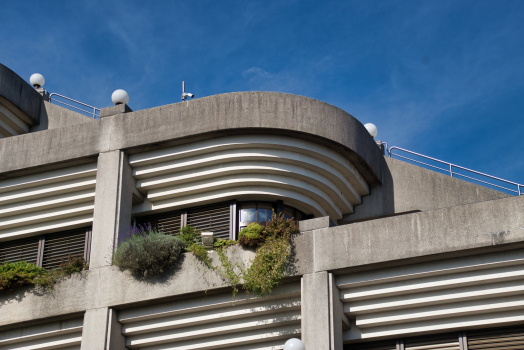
column 92, row 112
column 450, row 167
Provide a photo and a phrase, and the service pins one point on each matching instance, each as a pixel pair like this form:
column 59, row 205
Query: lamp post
column 294, row 344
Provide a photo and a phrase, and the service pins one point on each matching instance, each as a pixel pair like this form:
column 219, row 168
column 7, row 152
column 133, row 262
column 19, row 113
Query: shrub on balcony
column 146, row 251
column 20, row 273
column 252, row 236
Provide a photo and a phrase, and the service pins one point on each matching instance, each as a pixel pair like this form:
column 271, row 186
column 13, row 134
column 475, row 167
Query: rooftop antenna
column 185, row 94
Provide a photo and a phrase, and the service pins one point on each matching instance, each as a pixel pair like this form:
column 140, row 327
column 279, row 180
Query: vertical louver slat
column 502, row 338
column 60, row 245
column 215, row 218
column 19, row 250
column 435, row 342
column 168, row 222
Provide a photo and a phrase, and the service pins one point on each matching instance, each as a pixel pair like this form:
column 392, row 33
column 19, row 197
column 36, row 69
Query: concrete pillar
column 322, row 312
column 101, row 330
column 113, row 204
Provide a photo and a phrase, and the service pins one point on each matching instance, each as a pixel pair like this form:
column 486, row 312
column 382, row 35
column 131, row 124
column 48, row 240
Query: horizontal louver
column 168, row 222
column 59, row 246
column 382, row 345
column 214, row 218
column 500, row 339
column 18, row 250
column 439, row 342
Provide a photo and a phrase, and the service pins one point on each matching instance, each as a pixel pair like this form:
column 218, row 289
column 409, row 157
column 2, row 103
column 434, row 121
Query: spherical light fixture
column 294, row 344
column 119, row 97
column 37, row 80
column 372, row 129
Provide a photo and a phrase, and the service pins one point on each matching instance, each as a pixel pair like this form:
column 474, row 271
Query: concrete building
column 390, row 255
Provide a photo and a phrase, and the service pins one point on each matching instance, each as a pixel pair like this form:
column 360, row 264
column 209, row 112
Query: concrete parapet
column 315, row 224
column 113, row 110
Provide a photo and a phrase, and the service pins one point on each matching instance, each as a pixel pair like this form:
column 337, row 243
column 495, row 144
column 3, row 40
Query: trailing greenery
column 224, row 243
column 146, row 251
column 252, row 236
column 20, row 273
column 268, row 267
column 189, row 235
column 201, row 254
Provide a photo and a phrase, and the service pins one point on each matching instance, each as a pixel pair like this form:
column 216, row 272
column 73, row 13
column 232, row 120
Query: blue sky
column 443, row 78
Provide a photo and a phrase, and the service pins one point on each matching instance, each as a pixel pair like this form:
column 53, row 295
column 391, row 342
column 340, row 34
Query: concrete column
column 101, row 331
column 113, row 204
column 322, row 313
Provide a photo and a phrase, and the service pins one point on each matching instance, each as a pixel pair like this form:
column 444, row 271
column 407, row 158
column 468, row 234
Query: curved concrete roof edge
column 252, row 111
column 207, row 117
column 20, row 94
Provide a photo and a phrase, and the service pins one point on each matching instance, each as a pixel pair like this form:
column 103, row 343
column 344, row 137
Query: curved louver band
column 305, row 175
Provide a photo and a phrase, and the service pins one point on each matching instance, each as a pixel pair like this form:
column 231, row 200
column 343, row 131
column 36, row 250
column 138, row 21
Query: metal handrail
column 93, row 113
column 450, row 166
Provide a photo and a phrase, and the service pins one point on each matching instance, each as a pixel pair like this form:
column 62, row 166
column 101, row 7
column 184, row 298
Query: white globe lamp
column 37, row 80
column 294, row 344
column 120, row 97
column 372, row 129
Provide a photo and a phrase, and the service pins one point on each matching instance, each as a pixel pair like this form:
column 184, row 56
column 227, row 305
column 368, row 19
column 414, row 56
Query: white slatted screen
column 216, row 322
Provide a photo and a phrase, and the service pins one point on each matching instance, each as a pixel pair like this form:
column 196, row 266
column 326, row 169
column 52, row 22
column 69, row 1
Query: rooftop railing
column 90, row 111
column 457, row 171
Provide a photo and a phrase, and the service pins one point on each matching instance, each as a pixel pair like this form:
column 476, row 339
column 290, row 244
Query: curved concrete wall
column 204, row 118
column 19, row 96
column 305, row 175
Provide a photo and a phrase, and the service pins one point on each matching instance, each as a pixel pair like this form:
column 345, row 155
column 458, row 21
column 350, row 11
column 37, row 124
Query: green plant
column 21, row 273
column 201, row 254
column 147, row 251
column 252, row 235
column 268, row 267
column 17, row 274
column 226, row 270
column 279, row 226
column 189, row 235
column 224, row 243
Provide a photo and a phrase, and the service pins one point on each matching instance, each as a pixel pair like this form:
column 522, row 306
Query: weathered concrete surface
column 450, row 230
column 460, row 230
column 407, row 187
column 113, row 204
column 53, row 116
column 107, row 286
column 113, row 110
column 234, row 113
column 315, row 224
column 20, row 97
column 315, row 311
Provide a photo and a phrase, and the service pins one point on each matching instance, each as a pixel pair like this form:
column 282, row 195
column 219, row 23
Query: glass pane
column 264, row 215
column 248, row 214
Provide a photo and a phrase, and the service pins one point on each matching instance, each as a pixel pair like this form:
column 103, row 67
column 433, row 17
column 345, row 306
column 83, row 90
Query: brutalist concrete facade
column 399, row 252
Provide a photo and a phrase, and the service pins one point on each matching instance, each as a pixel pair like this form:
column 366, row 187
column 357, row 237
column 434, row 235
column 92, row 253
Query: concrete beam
column 113, row 204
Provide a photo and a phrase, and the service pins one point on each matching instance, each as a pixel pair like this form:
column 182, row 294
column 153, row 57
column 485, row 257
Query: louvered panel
column 381, row 345
column 216, row 322
column 19, row 250
column 502, row 338
column 58, row 246
column 439, row 342
column 59, row 335
column 168, row 222
column 214, row 218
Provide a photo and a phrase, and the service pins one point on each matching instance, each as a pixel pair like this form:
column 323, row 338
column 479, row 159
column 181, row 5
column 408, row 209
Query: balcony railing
column 457, row 171
column 90, row 111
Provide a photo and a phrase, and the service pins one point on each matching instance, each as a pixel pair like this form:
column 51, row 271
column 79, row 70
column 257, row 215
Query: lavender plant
column 146, row 251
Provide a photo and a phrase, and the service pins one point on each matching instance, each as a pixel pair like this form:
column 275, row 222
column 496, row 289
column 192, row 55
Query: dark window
column 48, row 250
column 167, row 222
column 214, row 218
column 60, row 245
column 19, row 250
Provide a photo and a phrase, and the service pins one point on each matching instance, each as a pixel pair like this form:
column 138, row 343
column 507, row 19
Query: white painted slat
column 436, row 296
